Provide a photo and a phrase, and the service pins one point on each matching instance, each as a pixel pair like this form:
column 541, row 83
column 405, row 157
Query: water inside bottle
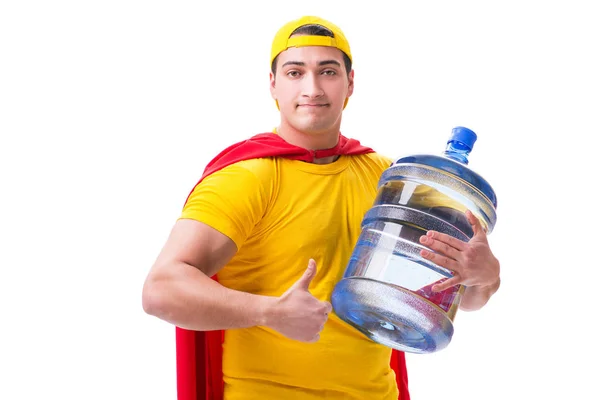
column 389, row 252
column 387, row 292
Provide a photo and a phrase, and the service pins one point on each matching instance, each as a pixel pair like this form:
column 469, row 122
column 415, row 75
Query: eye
column 329, row 72
column 293, row 74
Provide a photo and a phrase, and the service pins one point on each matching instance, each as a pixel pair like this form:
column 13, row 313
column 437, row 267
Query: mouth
column 312, row 105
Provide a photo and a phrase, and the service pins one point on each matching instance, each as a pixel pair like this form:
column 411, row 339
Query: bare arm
column 179, row 290
column 475, row 297
column 473, row 264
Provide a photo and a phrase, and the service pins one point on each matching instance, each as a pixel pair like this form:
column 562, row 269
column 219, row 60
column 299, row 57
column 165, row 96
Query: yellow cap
column 282, row 40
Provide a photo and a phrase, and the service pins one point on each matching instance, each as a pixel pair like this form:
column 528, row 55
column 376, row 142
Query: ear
column 272, row 85
column 350, row 83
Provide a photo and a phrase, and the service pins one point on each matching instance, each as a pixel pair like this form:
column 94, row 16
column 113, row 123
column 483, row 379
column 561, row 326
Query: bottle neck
column 457, row 151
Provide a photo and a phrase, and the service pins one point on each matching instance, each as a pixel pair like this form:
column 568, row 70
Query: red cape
column 199, row 354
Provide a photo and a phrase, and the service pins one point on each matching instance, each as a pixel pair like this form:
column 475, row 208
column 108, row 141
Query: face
column 311, row 87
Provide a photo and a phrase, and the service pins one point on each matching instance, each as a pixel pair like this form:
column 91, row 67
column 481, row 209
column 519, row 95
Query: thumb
column 478, row 230
column 307, row 277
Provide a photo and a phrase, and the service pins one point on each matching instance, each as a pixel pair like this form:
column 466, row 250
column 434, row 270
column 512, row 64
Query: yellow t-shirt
column 280, row 213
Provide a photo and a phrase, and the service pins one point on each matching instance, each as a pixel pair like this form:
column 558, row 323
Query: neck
column 311, row 141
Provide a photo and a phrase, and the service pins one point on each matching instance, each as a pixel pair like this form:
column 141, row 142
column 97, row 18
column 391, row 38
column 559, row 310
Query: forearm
column 187, row 298
column 475, row 297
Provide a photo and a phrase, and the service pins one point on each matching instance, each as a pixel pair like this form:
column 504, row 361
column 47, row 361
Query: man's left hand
column 472, row 263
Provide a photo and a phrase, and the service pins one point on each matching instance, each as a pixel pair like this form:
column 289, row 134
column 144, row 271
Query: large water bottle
column 386, row 289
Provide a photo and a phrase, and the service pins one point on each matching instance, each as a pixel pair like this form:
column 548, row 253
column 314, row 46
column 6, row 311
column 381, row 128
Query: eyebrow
column 321, row 63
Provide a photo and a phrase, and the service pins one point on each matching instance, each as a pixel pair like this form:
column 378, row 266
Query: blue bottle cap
column 463, row 135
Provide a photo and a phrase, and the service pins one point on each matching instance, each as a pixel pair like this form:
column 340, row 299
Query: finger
column 440, row 247
column 475, row 224
column 448, row 283
column 304, row 281
column 449, row 240
column 315, row 338
column 440, row 260
column 328, row 307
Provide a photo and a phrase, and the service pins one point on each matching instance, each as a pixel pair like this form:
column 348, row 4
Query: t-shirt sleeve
column 231, row 201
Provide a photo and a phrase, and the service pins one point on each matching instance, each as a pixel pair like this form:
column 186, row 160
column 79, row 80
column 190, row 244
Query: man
column 273, row 221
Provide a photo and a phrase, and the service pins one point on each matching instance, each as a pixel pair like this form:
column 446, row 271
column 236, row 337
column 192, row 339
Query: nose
column 311, row 87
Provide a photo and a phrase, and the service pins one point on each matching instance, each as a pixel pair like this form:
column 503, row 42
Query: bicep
column 197, row 244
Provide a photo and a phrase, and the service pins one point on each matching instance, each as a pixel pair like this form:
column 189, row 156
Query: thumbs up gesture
column 297, row 314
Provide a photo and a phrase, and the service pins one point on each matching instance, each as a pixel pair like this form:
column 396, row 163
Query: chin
column 314, row 127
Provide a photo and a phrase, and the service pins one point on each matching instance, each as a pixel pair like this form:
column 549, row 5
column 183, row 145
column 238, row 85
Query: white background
column 110, row 110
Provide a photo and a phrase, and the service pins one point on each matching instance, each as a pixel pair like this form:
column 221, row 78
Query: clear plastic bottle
column 386, row 289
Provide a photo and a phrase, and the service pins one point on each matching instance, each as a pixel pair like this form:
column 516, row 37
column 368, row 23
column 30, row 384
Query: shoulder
column 242, row 178
column 260, row 169
column 374, row 160
column 257, row 166
column 380, row 159
column 238, row 186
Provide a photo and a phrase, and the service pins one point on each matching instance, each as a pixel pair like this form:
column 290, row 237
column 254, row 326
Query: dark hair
column 316, row 30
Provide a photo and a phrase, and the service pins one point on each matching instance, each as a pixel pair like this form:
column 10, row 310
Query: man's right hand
column 297, row 314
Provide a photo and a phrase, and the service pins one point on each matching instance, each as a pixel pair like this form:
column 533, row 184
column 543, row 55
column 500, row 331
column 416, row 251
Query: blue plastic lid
column 464, row 136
